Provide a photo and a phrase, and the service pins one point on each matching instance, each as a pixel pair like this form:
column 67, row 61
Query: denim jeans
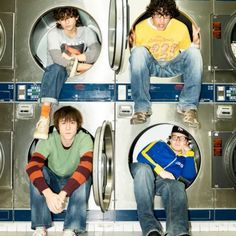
column 76, row 212
column 143, row 65
column 53, row 80
column 173, row 196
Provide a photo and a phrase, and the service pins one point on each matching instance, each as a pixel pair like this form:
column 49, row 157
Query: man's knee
column 140, row 170
column 138, row 52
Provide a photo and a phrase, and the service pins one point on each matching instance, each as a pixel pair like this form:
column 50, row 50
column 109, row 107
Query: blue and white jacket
column 160, row 156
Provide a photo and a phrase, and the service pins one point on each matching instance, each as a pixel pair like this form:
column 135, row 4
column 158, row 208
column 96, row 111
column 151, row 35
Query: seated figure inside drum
column 164, row 169
column 72, row 49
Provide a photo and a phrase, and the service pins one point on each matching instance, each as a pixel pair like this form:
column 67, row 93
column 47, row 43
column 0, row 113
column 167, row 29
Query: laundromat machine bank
column 103, row 94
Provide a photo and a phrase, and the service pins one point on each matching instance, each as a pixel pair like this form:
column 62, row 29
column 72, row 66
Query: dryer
column 92, row 92
column 7, row 18
column 164, row 96
column 223, row 25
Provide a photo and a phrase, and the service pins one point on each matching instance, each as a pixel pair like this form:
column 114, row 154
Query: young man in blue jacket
column 160, row 165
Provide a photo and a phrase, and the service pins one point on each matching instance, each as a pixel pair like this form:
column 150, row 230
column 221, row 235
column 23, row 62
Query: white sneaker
column 40, row 232
column 42, row 128
column 69, row 232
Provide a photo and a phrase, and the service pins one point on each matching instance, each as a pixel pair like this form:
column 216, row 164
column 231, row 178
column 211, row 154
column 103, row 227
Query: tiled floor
column 119, row 234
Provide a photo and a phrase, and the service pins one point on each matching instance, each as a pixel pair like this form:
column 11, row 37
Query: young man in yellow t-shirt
column 163, row 47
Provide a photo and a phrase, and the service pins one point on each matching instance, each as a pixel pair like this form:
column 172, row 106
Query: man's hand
column 196, row 36
column 54, row 201
column 63, row 195
column 185, row 149
column 166, row 175
column 131, row 38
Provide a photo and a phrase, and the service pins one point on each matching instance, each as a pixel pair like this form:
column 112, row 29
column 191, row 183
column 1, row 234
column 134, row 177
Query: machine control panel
column 165, row 92
column 29, row 92
column 225, row 93
column 6, row 92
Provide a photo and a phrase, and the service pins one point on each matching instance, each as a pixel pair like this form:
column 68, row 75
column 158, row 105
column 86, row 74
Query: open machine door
column 103, row 169
column 118, row 33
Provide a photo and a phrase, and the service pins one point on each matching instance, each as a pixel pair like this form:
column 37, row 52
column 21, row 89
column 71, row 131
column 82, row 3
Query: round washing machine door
column 117, row 35
column 103, row 169
column 2, row 40
column 44, row 24
column 230, row 158
column 161, row 132
column 2, row 160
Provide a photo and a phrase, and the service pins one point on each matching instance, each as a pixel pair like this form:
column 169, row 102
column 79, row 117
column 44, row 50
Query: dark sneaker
column 190, row 117
column 154, row 233
column 148, row 113
column 71, row 68
column 138, row 118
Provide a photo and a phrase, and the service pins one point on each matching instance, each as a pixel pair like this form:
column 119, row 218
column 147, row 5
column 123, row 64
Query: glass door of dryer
column 117, row 35
column 224, row 42
column 224, row 159
column 103, row 169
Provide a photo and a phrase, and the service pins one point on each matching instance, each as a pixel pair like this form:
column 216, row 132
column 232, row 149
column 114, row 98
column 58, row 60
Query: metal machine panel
column 24, row 136
column 197, row 12
column 91, row 92
column 6, row 123
column 7, row 21
column 7, row 6
column 225, row 10
column 6, row 40
column 164, row 96
column 200, row 193
column 6, row 195
column 224, row 168
column 224, row 42
column 31, row 32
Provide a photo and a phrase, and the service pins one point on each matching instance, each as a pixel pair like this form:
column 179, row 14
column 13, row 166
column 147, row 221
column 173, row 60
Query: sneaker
column 190, row 117
column 40, row 232
column 138, row 118
column 69, row 233
column 42, row 128
column 148, row 113
column 154, row 233
column 71, row 68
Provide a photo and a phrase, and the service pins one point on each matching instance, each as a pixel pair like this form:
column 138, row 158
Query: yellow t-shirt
column 163, row 45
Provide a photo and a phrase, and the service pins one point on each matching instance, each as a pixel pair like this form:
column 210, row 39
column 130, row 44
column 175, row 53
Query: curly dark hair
column 63, row 13
column 68, row 113
column 163, row 7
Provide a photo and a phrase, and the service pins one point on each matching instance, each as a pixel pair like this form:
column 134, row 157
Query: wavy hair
column 163, row 7
column 63, row 13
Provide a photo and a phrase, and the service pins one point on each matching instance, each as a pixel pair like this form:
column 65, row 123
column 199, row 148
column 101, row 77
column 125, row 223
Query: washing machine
column 223, row 25
column 129, row 139
column 7, row 17
column 92, row 92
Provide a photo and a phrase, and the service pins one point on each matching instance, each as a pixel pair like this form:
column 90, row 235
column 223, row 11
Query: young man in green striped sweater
column 68, row 152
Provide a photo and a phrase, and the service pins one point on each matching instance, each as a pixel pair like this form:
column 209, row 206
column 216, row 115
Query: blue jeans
column 174, row 199
column 76, row 212
column 53, row 80
column 143, row 65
